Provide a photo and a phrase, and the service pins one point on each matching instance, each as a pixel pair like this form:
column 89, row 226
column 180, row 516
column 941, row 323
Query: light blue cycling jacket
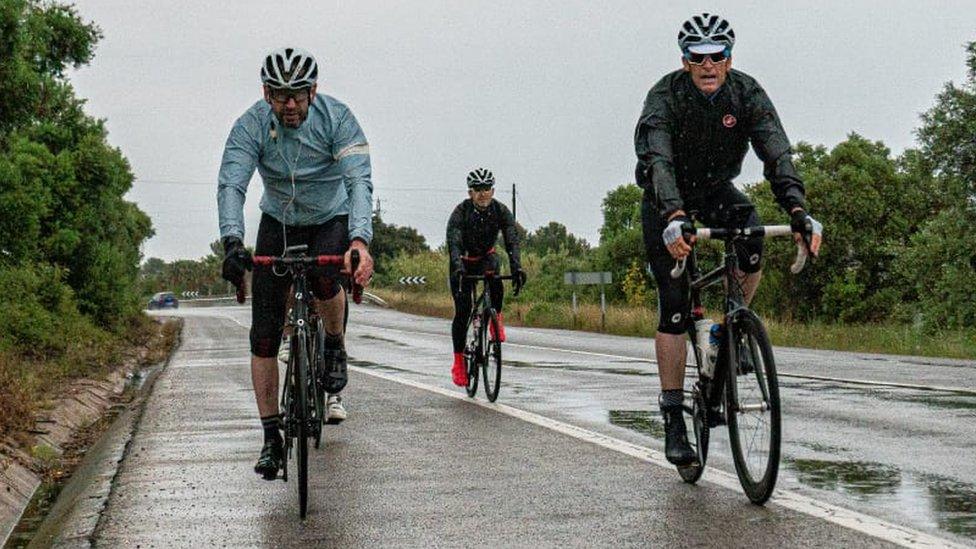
column 329, row 156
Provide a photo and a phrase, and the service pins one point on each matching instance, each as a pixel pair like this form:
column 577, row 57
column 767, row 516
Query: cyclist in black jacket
column 472, row 232
column 694, row 132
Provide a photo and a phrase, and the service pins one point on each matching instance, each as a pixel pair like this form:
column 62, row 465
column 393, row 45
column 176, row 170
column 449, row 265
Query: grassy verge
column 29, row 382
column 898, row 339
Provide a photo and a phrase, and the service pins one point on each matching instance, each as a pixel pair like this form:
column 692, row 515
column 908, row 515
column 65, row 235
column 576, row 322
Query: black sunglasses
column 481, row 188
column 282, row 95
column 699, row 58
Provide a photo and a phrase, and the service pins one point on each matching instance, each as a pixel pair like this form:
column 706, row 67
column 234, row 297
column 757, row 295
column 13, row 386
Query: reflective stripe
column 358, row 148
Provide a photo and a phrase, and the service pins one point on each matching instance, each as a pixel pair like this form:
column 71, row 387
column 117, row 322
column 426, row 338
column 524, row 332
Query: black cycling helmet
column 289, row 68
column 481, row 176
column 706, row 33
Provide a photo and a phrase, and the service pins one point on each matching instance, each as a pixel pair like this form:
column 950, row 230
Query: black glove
column 519, row 278
column 237, row 260
column 801, row 222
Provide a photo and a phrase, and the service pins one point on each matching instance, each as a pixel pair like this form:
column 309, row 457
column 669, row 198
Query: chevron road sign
column 191, row 294
column 413, row 280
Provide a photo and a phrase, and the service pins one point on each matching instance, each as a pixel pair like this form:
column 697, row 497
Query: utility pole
column 513, row 199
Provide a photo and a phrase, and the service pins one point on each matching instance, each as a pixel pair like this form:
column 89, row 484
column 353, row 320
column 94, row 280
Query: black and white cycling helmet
column 290, row 68
column 481, row 176
column 706, row 33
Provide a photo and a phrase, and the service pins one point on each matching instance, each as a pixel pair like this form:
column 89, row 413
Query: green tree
column 62, row 199
column 621, row 237
column 939, row 261
column 554, row 237
column 389, row 240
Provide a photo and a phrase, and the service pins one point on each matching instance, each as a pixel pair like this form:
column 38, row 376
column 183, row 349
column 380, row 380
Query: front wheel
column 302, row 419
column 472, row 355
column 491, row 360
column 753, row 407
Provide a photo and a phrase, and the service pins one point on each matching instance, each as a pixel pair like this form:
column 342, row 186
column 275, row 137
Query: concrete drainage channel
column 75, row 513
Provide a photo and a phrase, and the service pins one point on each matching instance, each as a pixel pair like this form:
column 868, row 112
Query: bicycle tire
column 753, row 407
column 471, row 359
column 317, row 374
column 491, row 359
column 692, row 473
column 302, row 419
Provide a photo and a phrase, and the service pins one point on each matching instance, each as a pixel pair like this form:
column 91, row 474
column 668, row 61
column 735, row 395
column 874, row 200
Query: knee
column 673, row 323
column 265, row 345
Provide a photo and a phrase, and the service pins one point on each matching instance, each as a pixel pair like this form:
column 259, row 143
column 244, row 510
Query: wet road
column 563, row 461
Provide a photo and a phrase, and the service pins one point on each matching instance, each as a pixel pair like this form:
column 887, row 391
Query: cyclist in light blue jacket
column 314, row 161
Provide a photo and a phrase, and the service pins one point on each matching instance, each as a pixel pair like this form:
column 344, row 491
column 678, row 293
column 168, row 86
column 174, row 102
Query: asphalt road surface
column 570, row 455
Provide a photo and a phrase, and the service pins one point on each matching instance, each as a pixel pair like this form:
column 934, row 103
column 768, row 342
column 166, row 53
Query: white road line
column 893, row 384
column 872, row 526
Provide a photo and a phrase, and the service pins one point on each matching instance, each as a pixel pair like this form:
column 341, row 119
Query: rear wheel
column 753, row 407
column 491, row 359
column 302, row 420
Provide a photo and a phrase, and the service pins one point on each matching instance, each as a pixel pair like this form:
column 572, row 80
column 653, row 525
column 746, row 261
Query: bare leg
column 671, row 351
column 264, row 377
column 333, row 312
column 750, row 283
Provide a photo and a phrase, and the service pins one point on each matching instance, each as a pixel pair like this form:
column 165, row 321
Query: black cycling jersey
column 688, row 144
column 473, row 232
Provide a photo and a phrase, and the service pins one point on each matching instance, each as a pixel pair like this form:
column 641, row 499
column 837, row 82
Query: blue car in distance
column 164, row 300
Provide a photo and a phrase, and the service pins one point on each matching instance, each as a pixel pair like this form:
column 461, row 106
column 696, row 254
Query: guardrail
column 203, row 301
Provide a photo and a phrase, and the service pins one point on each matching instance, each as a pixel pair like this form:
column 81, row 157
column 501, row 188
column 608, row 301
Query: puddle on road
column 644, row 422
column 384, row 340
column 381, row 367
column 569, row 367
column 861, row 478
column 938, row 501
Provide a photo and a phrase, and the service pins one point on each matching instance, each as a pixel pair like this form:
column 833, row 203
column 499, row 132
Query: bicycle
column 303, row 409
column 484, row 350
column 748, row 393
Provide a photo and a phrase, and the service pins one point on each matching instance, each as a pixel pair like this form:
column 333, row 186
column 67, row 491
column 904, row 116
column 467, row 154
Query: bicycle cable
column 291, row 172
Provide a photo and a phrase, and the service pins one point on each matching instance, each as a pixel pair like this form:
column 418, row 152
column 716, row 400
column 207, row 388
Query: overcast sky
column 544, row 93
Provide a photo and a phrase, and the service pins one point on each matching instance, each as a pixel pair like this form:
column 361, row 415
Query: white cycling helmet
column 706, row 33
column 481, row 176
column 290, row 68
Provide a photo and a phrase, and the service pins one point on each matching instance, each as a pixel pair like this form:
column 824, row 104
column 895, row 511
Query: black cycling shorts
column 270, row 291
column 724, row 207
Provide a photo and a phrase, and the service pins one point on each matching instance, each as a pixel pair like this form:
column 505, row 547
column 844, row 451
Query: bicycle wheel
column 302, row 419
column 472, row 356
column 316, row 374
column 753, row 407
column 699, row 444
column 491, row 360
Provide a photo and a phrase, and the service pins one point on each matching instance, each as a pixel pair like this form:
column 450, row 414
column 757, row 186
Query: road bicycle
column 743, row 391
column 484, row 350
column 302, row 397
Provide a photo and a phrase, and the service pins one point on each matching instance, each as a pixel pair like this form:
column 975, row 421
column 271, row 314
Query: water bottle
column 703, row 330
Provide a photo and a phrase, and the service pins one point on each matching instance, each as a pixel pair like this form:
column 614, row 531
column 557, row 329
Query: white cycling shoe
column 335, row 412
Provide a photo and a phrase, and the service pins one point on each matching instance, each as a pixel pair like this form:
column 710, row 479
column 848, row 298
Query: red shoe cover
column 501, row 329
column 458, row 371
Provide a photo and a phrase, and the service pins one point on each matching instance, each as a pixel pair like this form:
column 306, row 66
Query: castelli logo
column 728, row 121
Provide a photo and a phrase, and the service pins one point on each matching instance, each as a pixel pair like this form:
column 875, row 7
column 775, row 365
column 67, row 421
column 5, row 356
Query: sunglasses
column 699, row 58
column 481, row 188
column 282, row 96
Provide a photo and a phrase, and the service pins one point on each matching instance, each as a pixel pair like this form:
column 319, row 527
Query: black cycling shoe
column 271, row 460
column 676, row 446
column 334, row 375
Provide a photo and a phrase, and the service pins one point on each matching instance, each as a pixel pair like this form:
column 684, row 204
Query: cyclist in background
column 472, row 231
column 314, row 161
column 694, row 131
